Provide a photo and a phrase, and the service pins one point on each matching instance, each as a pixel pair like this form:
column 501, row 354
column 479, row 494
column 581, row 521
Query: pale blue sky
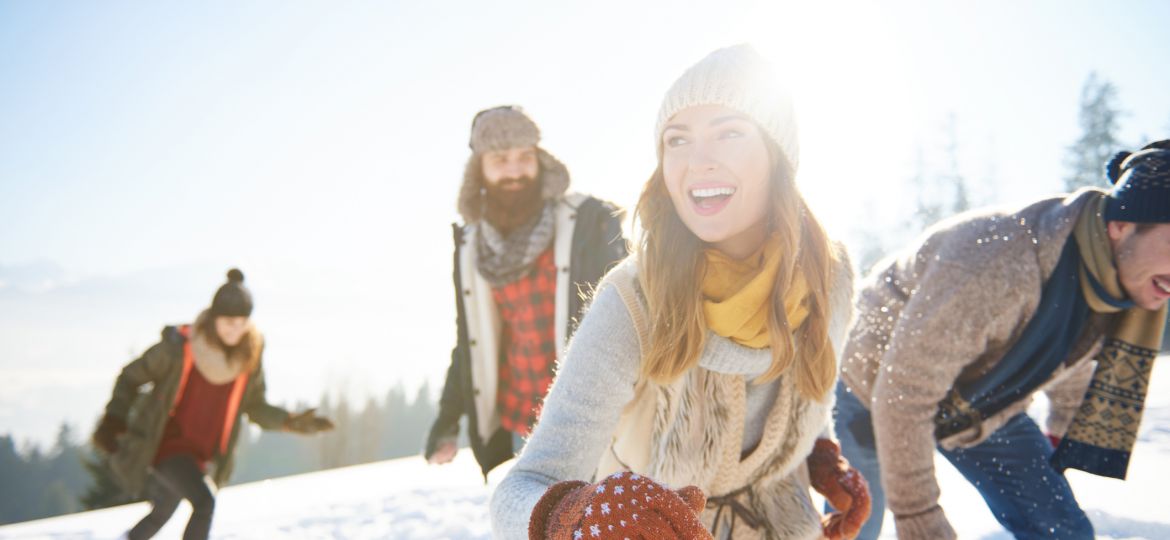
column 319, row 145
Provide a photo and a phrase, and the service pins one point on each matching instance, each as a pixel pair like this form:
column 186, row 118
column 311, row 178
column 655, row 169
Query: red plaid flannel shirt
column 528, row 309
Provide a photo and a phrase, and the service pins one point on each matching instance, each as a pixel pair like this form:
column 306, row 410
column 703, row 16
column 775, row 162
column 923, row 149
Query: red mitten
column 623, row 505
column 844, row 488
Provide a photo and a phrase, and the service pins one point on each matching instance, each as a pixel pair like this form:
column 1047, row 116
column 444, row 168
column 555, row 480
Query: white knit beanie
column 738, row 78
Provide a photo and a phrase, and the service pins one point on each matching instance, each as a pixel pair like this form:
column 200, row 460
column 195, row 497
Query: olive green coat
column 143, row 395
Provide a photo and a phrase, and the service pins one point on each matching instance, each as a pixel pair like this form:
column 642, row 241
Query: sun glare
column 855, row 104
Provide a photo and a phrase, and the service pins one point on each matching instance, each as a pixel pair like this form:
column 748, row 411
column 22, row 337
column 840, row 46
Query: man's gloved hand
column 307, row 422
column 442, row 441
column 106, row 435
column 443, row 453
column 623, row 505
column 843, row 487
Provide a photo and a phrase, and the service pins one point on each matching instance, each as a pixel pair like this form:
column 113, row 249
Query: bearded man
column 525, row 255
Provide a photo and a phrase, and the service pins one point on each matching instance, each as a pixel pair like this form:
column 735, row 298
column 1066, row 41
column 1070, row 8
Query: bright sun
column 854, row 100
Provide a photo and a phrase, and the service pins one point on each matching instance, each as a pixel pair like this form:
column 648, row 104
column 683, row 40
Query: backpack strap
column 233, row 408
column 188, row 363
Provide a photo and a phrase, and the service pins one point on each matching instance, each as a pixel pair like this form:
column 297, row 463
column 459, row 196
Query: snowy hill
column 406, row 499
column 401, row 498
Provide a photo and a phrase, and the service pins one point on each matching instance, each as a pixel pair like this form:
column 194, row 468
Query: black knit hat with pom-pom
column 232, row 299
column 1141, row 185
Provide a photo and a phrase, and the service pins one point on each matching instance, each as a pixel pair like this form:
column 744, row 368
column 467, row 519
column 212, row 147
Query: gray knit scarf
column 502, row 260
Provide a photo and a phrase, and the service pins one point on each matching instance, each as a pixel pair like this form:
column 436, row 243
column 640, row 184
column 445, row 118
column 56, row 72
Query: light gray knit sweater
column 592, row 385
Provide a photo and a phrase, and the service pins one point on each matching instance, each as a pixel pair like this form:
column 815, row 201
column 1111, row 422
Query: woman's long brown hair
column 671, row 266
column 247, row 351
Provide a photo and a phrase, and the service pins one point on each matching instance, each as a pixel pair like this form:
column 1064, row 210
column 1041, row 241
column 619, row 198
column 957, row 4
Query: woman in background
column 164, row 438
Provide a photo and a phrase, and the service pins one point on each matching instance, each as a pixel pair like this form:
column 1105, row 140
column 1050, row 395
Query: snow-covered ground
column 401, row 498
column 406, row 499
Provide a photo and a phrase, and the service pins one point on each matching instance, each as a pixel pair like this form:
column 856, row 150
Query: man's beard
column 505, row 209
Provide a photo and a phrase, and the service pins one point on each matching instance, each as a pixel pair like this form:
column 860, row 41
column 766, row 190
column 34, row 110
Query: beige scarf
column 1104, row 430
column 212, row 362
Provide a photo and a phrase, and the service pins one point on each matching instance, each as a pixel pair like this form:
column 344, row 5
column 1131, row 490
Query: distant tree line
column 374, row 430
column 71, row 477
column 36, row 482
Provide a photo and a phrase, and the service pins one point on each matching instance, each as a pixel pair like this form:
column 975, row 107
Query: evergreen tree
column 1098, row 142
column 951, row 175
column 939, row 190
column 103, row 490
column 37, row 484
column 65, row 477
column 939, row 184
column 17, row 481
column 927, row 207
column 369, row 426
column 334, row 445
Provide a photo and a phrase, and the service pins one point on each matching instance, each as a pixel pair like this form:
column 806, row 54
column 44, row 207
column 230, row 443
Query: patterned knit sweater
column 946, row 311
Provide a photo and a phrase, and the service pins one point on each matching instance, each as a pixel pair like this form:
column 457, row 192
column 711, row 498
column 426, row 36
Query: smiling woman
column 730, row 307
column 715, row 165
column 173, row 421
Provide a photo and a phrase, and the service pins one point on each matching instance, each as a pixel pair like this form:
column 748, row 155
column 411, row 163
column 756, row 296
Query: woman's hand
column 843, row 487
column 106, row 435
column 307, row 422
column 623, row 505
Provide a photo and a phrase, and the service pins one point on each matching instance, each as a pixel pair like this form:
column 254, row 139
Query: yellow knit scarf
column 737, row 294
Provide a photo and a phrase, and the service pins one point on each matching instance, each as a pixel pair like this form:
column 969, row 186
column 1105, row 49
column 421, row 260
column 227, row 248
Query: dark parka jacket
column 588, row 244
column 143, row 396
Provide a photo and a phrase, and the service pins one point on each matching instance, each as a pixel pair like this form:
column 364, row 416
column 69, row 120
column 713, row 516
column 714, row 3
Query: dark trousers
column 1010, row 470
column 174, row 479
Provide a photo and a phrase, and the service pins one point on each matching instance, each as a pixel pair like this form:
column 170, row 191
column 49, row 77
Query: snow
column 401, row 499
column 407, row 499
